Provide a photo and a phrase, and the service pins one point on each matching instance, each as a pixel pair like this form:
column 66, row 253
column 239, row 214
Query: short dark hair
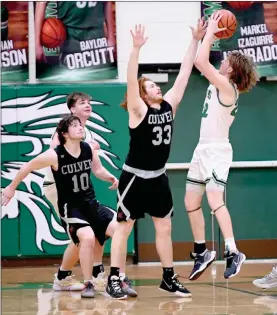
column 64, row 125
column 74, row 97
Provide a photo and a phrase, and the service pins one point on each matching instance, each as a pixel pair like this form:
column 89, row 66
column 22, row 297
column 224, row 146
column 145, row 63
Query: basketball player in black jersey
column 83, row 218
column 79, row 105
column 143, row 185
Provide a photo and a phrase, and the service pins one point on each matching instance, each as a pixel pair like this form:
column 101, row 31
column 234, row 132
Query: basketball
column 240, row 5
column 53, row 33
column 229, row 21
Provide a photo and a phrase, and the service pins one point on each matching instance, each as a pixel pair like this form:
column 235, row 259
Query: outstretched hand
column 199, row 31
column 213, row 23
column 7, row 195
column 138, row 36
column 114, row 182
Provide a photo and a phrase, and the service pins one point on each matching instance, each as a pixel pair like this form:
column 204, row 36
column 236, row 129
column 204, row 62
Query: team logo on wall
column 27, row 126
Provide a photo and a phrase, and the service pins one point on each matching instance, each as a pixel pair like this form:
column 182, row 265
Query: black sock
column 97, row 269
column 199, row 248
column 114, row 271
column 62, row 274
column 168, row 272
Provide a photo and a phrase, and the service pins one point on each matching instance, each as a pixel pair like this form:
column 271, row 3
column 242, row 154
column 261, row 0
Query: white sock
column 230, row 244
column 97, row 264
column 122, row 275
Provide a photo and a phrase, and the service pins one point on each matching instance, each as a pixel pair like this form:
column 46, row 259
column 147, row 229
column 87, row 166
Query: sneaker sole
column 238, row 269
column 132, row 294
column 59, row 289
column 87, row 297
column 199, row 273
column 265, row 286
column 178, row 293
column 119, row 298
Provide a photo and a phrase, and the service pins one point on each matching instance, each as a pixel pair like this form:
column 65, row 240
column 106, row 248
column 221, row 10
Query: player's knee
column 111, row 228
column 86, row 236
column 192, row 201
column 163, row 227
column 215, row 199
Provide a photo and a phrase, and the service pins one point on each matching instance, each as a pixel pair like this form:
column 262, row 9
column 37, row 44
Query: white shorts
column 210, row 166
column 50, row 189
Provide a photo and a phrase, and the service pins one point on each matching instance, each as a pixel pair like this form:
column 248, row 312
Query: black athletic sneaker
column 234, row 260
column 115, row 289
column 174, row 286
column 201, row 263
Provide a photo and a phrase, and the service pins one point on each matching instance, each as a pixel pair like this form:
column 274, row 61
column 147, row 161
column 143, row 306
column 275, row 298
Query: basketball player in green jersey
column 213, row 155
column 84, row 20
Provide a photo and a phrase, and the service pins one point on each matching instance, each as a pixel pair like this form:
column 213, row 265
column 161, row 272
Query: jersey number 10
column 83, row 182
column 162, row 135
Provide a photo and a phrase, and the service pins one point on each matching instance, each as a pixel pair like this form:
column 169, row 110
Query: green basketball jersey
column 81, row 14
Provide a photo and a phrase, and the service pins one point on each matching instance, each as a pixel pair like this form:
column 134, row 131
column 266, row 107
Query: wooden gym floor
column 28, row 291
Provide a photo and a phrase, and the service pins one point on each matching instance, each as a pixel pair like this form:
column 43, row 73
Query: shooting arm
column 109, row 20
column 39, row 18
column 203, row 64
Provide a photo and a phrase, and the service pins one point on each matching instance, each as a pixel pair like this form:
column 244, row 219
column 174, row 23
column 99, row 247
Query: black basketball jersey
column 73, row 176
column 151, row 139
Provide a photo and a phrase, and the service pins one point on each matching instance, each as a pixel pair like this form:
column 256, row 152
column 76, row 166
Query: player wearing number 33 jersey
column 143, row 177
column 143, row 184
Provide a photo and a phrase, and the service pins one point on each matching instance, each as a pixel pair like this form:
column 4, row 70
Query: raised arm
column 48, row 158
column 39, row 19
column 100, row 172
column 176, row 93
column 202, row 62
column 135, row 104
column 110, row 23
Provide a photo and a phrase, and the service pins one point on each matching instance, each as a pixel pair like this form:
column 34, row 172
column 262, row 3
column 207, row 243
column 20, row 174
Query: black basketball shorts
column 137, row 196
column 92, row 214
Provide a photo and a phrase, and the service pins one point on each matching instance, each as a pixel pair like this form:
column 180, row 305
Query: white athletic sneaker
column 268, row 281
column 67, row 284
column 100, row 282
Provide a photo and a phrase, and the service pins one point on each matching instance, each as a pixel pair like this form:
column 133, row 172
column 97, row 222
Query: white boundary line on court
column 217, row 262
column 244, row 164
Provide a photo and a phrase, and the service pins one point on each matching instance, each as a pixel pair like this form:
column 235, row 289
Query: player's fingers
column 142, row 30
column 219, row 17
column 136, row 28
column 132, row 33
column 222, row 29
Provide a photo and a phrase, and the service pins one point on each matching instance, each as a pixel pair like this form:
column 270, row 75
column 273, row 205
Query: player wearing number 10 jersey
column 143, row 185
column 83, row 218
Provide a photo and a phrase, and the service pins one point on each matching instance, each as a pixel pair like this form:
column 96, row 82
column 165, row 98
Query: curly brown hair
column 244, row 73
column 63, row 126
column 142, row 91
